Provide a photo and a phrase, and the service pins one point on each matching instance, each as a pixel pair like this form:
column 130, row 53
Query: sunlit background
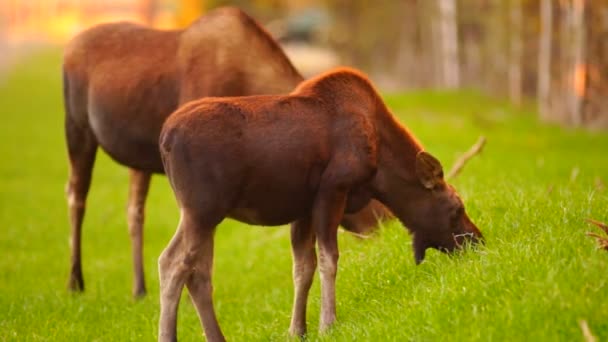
column 552, row 53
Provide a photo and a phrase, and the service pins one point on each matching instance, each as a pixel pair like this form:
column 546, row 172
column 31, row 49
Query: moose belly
column 273, row 213
column 274, row 204
column 127, row 118
column 262, row 217
column 130, row 143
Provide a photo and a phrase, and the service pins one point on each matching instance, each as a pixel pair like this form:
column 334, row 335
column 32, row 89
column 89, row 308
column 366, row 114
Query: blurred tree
column 471, row 32
column 495, row 46
column 515, row 51
column 429, row 46
column 412, row 50
column 544, row 58
column 596, row 86
column 448, row 37
column 577, row 67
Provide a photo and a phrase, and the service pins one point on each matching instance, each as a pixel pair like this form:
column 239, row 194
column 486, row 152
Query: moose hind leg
column 172, row 275
column 187, row 261
column 199, row 284
column 304, row 266
column 82, row 148
column 138, row 191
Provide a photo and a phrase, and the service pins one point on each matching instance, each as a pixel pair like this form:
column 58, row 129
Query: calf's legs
column 187, row 261
column 138, row 191
column 304, row 265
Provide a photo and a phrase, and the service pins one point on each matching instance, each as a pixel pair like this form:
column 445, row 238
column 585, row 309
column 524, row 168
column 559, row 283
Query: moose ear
column 428, row 169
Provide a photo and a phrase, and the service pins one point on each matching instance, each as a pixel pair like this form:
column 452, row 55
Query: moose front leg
column 327, row 213
column 304, row 266
column 138, row 191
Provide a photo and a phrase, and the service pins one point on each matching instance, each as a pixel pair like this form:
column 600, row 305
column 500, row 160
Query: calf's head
column 437, row 216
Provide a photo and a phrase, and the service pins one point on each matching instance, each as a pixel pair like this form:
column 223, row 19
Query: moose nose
column 472, row 233
column 478, row 239
column 472, row 238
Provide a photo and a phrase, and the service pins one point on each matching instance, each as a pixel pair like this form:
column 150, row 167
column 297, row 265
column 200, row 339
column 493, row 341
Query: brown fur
column 122, row 80
column 329, row 147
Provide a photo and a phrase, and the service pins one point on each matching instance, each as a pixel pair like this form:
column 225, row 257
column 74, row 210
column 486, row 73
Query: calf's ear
column 428, row 170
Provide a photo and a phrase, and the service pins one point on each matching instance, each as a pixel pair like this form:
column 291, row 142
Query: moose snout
column 471, row 234
column 467, row 238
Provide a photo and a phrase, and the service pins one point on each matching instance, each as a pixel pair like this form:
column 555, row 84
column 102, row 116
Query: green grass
column 529, row 192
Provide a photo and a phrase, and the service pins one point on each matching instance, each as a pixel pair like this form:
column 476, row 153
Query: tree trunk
column 578, row 67
column 428, row 43
column 448, row 30
column 544, row 58
column 408, row 63
column 596, row 52
column 515, row 53
column 495, row 41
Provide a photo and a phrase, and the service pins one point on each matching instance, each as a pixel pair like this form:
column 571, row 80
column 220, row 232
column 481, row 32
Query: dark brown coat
column 329, row 147
column 122, row 80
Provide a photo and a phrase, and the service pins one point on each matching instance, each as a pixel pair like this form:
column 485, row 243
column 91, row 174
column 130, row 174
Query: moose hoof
column 167, row 338
column 76, row 283
column 325, row 327
column 139, row 293
column 297, row 332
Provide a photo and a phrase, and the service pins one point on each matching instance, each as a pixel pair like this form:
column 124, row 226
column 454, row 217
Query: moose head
column 436, row 214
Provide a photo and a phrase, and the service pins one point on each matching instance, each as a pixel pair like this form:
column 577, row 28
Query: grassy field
column 529, row 192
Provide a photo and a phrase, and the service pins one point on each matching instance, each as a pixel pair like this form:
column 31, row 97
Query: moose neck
column 396, row 183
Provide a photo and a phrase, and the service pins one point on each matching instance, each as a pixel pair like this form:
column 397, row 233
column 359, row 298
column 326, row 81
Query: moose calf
column 327, row 148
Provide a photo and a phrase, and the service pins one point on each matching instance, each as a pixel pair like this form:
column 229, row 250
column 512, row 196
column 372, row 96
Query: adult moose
column 327, row 148
column 122, row 80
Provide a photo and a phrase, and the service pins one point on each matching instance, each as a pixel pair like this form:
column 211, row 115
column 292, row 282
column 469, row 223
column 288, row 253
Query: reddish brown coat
column 329, row 147
column 122, row 80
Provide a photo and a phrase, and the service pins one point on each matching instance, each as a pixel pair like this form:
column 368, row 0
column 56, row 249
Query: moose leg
column 304, row 265
column 138, row 190
column 187, row 261
column 82, row 147
column 199, row 283
column 172, row 276
column 327, row 212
